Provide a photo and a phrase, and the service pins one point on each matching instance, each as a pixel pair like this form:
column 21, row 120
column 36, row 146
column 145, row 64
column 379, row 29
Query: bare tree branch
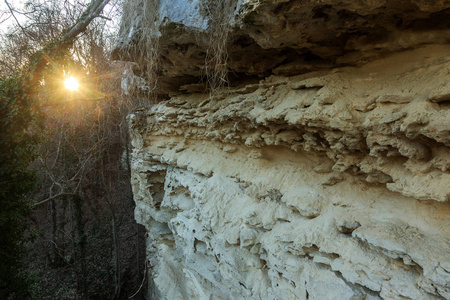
column 105, row 17
column 17, row 21
column 3, row 20
column 95, row 9
column 53, row 198
column 143, row 280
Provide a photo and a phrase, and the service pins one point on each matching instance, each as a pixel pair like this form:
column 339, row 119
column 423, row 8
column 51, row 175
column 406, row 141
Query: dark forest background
column 67, row 219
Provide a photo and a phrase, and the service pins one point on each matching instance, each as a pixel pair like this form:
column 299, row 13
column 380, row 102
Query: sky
column 6, row 19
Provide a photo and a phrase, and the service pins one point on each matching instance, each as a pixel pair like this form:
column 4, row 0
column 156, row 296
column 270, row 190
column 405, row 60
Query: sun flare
column 71, row 84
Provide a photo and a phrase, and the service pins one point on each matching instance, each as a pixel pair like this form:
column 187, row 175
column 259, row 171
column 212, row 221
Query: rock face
column 323, row 173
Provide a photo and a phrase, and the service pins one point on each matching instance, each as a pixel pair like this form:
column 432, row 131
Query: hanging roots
column 143, row 15
column 220, row 14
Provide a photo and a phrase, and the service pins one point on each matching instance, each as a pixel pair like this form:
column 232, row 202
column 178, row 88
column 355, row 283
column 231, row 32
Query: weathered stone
column 332, row 183
column 283, row 37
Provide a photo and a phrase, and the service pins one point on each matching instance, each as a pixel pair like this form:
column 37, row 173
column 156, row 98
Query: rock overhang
column 287, row 37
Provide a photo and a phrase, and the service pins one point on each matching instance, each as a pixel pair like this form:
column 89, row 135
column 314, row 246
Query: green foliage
column 20, row 123
column 17, row 144
column 21, row 120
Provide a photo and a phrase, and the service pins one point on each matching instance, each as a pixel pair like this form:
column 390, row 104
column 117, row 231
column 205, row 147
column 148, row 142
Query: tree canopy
column 20, row 122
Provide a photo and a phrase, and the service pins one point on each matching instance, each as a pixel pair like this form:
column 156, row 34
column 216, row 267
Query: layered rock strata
column 329, row 184
column 273, row 37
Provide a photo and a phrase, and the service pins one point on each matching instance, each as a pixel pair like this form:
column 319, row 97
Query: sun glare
column 71, row 83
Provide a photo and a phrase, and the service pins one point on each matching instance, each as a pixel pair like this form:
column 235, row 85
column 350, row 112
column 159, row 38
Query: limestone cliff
column 322, row 172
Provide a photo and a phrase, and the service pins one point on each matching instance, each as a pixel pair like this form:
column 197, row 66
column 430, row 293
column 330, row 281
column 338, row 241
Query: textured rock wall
column 330, row 184
column 281, row 37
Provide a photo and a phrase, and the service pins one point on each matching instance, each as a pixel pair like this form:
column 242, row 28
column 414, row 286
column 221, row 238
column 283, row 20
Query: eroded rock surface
column 279, row 37
column 327, row 184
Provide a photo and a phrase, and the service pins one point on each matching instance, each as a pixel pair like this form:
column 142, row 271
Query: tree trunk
column 81, row 246
column 116, row 254
column 57, row 259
